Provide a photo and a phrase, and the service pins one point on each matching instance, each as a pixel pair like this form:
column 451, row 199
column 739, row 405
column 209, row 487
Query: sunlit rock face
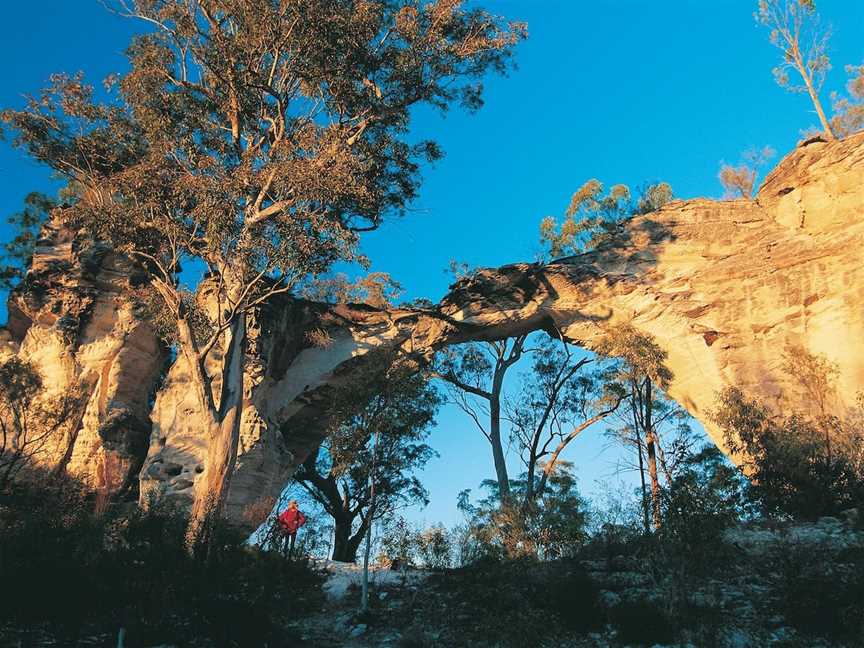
column 296, row 353
column 725, row 287
column 72, row 319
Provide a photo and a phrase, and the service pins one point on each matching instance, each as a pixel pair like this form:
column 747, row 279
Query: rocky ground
column 780, row 585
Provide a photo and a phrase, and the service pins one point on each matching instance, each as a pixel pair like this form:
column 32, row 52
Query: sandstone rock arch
column 723, row 286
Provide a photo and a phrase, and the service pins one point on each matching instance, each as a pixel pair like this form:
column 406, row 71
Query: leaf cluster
column 259, row 138
column 594, row 215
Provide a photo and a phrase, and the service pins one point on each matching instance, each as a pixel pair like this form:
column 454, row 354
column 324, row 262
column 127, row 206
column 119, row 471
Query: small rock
column 359, row 630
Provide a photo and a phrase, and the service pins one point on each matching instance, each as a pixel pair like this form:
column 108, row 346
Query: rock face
column 298, row 351
column 72, row 320
column 728, row 289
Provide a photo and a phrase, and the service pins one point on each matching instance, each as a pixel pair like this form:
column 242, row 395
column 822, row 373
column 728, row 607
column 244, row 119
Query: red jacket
column 291, row 520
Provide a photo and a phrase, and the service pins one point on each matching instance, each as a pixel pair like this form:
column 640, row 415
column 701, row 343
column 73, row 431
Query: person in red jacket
column 290, row 521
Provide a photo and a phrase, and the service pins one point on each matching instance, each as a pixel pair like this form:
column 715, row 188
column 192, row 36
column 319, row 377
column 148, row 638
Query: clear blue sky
column 621, row 90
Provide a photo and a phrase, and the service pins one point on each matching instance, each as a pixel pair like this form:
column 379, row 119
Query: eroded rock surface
column 72, row 319
column 727, row 288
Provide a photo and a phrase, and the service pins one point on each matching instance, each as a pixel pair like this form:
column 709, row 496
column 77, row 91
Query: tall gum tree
column 796, row 32
column 258, row 140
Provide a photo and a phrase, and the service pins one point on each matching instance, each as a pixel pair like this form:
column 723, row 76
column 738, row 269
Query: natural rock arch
column 723, row 286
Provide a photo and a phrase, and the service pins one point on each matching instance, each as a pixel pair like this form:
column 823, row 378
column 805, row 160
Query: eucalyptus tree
column 849, row 110
column 475, row 374
column 803, row 42
column 741, row 180
column 641, row 372
column 365, row 470
column 594, row 214
column 257, row 139
column 558, row 400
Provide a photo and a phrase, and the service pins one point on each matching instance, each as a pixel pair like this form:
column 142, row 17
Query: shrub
column 641, row 622
column 794, row 469
column 824, row 597
column 510, row 603
column 704, row 499
column 76, row 571
column 574, row 599
column 434, row 547
column 398, row 543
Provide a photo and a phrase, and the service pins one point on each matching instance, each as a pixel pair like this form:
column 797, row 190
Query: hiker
column 290, row 520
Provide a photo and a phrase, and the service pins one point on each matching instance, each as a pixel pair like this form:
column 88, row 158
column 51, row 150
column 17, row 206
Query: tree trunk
column 651, row 451
column 364, row 595
column 498, row 449
column 495, row 432
column 341, row 536
column 345, row 545
column 638, row 440
column 814, row 96
column 211, row 489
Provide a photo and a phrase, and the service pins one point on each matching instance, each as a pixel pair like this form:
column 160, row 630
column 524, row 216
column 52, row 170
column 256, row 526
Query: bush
column 76, row 572
column 548, row 527
column 704, row 499
column 642, row 622
column 510, row 603
column 574, row 599
column 824, row 597
column 434, row 548
column 398, row 543
column 795, row 468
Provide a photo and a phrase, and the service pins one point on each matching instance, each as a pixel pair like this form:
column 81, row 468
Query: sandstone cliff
column 72, row 319
column 725, row 287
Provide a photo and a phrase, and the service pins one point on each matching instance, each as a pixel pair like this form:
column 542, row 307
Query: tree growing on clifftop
column 796, row 32
column 741, row 180
column 594, row 216
column 849, row 111
column 258, row 139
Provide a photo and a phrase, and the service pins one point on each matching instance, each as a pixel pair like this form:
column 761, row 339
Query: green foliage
column 593, row 217
column 259, row 138
column 638, row 356
column 28, row 423
column 823, row 597
column 849, row 110
column 789, row 460
column 795, row 31
column 77, row 572
column 513, row 604
column 706, row 497
column 741, row 180
column 376, row 289
column 398, row 542
column 378, row 429
column 552, row 526
column 434, row 548
column 26, row 224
